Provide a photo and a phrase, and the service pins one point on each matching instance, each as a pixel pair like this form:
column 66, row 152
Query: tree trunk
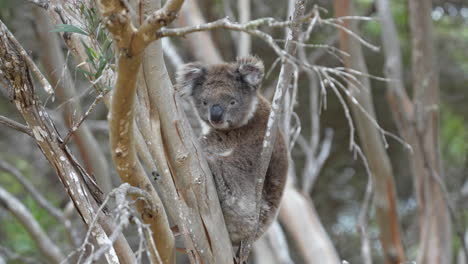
column 417, row 122
column 434, row 216
column 371, row 141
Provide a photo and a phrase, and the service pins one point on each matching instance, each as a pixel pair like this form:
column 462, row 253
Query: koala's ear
column 251, row 69
column 188, row 76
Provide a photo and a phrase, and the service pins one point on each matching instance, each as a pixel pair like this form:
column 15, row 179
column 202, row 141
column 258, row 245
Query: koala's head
column 225, row 95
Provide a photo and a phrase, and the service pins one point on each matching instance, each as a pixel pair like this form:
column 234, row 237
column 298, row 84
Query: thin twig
column 285, row 77
column 363, row 215
column 121, row 213
column 83, row 118
column 15, row 125
column 14, row 257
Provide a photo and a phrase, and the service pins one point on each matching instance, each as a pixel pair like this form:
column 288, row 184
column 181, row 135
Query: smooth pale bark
column 245, row 40
column 303, row 225
column 371, row 141
column 419, row 127
column 125, row 157
column 272, row 247
column 131, row 44
column 199, row 215
column 434, row 216
column 201, row 44
column 202, row 223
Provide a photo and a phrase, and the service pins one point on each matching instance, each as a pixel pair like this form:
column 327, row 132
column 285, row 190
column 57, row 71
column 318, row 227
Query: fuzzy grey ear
column 251, row 68
column 188, row 76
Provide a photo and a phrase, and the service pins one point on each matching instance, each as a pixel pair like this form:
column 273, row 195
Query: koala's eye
column 233, row 102
column 205, row 103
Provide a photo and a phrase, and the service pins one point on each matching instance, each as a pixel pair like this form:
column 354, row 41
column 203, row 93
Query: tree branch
column 15, row 125
column 55, row 66
column 284, row 80
column 244, row 46
column 201, row 44
column 48, row 248
column 180, row 164
column 131, row 43
column 72, row 176
column 42, row 201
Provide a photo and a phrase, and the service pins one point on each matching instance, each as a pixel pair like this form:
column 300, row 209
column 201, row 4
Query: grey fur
column 232, row 146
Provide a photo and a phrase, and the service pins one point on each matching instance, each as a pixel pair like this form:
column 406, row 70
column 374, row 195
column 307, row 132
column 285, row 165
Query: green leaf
column 102, row 65
column 85, row 72
column 90, row 53
column 69, row 28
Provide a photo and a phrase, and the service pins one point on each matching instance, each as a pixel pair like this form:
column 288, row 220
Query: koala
column 234, row 117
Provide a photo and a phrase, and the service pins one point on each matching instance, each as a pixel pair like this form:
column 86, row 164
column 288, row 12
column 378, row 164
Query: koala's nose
column 216, row 113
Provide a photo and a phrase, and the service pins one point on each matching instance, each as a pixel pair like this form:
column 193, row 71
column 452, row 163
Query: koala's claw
column 243, row 252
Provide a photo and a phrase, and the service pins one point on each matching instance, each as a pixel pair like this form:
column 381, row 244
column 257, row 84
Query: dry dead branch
column 15, row 125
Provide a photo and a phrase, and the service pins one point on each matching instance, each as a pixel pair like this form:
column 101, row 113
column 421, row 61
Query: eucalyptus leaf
column 69, row 28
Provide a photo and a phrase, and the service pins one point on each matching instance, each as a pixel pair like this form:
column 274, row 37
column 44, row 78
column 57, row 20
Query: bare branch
column 42, row 201
column 15, row 125
column 48, row 248
column 159, row 18
column 82, row 119
column 201, row 44
column 9, row 255
column 363, row 214
column 315, row 161
column 303, row 225
column 279, row 243
column 244, row 45
column 225, row 23
column 122, row 213
column 285, row 77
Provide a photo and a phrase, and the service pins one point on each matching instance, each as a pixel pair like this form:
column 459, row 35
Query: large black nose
column 216, row 113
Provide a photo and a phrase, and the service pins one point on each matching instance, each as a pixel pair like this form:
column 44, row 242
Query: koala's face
column 224, row 95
